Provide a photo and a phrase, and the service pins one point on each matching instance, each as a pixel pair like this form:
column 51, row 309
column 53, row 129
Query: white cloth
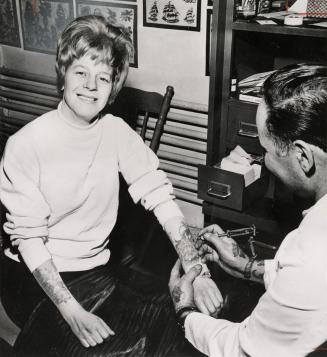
column 290, row 319
column 60, row 184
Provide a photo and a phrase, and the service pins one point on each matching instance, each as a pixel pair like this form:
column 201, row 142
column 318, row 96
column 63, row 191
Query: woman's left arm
column 151, row 187
column 206, row 294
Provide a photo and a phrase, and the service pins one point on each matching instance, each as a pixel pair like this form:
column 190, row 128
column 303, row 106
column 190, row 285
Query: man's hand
column 181, row 287
column 223, row 250
column 192, row 289
column 207, row 296
column 88, row 328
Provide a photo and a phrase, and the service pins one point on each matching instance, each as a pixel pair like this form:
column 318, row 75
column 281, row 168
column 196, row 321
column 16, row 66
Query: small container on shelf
column 249, row 9
column 245, row 9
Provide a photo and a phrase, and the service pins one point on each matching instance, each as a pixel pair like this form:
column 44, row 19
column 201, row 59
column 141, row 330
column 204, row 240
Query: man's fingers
column 193, row 273
column 214, row 228
column 205, row 249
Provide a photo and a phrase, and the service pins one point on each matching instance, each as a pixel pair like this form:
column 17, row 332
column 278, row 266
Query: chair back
column 129, row 240
column 132, row 102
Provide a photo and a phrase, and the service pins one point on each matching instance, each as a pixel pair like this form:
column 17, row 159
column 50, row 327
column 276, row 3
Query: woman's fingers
column 105, row 330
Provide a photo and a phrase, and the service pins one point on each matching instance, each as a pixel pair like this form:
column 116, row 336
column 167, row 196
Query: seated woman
column 59, row 184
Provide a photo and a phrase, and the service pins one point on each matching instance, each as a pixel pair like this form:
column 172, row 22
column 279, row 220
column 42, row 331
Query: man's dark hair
column 296, row 102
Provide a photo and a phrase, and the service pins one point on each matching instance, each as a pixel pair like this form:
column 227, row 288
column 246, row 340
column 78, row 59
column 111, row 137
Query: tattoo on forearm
column 185, row 246
column 50, row 281
column 237, row 251
column 258, row 273
column 176, row 294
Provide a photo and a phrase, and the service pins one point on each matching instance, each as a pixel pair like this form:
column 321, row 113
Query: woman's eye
column 105, row 79
column 80, row 73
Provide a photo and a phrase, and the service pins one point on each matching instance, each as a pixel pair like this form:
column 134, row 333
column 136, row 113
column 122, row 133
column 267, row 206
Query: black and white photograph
column 173, row 14
column 42, row 21
column 163, row 193
column 119, row 14
column 9, row 31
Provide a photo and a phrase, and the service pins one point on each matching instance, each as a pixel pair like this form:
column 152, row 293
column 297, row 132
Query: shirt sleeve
column 147, row 184
column 28, row 212
column 289, row 319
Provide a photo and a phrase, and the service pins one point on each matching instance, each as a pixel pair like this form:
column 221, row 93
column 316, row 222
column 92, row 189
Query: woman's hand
column 222, row 250
column 207, row 296
column 88, row 328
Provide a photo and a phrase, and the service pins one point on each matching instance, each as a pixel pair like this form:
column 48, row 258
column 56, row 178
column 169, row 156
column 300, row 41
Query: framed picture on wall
column 9, row 31
column 208, row 41
column 118, row 14
column 172, row 14
column 43, row 21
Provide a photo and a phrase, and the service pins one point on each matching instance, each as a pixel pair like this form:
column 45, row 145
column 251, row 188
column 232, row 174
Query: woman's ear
column 305, row 156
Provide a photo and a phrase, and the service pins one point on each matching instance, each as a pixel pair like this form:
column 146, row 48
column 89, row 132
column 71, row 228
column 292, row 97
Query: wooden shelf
column 238, row 49
column 279, row 29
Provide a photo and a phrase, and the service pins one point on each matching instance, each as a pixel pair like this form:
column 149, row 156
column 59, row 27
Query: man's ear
column 305, row 156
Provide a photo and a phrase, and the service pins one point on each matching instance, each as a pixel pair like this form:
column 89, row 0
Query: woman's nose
column 90, row 82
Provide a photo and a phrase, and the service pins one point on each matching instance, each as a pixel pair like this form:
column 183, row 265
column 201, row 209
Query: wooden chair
column 134, row 228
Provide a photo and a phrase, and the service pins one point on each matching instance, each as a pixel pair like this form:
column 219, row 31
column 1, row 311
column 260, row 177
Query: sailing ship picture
column 170, row 14
column 174, row 14
column 153, row 14
column 189, row 17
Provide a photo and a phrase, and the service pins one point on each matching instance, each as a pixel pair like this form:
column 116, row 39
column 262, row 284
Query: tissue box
column 227, row 189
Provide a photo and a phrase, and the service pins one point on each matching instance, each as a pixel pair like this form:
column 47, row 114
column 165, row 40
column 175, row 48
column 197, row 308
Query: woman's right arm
column 27, row 226
column 88, row 328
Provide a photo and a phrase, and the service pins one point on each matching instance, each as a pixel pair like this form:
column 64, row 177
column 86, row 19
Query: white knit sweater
column 59, row 183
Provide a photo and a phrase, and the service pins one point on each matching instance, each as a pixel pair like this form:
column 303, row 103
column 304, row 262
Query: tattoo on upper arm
column 49, row 279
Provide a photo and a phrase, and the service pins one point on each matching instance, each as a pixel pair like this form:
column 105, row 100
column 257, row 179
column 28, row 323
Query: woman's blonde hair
column 105, row 43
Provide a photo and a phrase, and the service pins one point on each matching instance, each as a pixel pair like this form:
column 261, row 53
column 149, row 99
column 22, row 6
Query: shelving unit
column 238, row 49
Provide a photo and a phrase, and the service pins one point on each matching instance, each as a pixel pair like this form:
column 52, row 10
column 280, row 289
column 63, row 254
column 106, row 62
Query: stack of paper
column 250, row 87
column 239, row 161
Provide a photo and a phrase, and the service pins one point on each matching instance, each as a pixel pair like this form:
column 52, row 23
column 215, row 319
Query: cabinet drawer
column 241, row 127
column 227, row 189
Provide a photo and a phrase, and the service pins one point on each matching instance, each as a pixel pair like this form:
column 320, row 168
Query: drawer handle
column 219, row 190
column 248, row 130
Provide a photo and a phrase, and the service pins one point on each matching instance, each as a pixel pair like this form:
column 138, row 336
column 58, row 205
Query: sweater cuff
column 33, row 252
column 166, row 211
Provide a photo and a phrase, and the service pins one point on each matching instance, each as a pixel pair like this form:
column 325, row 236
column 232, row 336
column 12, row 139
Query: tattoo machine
column 247, row 232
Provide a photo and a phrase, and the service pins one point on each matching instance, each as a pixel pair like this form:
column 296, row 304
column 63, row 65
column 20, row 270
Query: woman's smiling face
column 87, row 88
